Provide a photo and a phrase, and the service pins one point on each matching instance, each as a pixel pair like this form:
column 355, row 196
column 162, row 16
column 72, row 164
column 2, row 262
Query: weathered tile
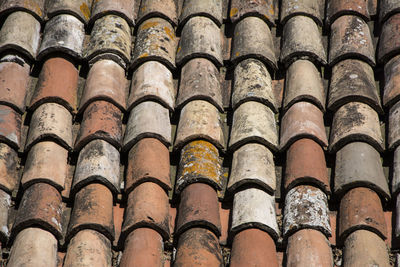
column 206, row 8
column 9, row 177
column 252, row 82
column 106, row 81
column 165, row 9
column 396, row 171
column 337, row 8
column 47, row 162
column 253, row 121
column 147, row 207
column 41, row 205
column 263, row 9
column 93, row 209
column 306, row 207
column 50, row 121
column 101, row 120
column 355, row 121
column 147, row 119
column 253, row 39
column 152, row 81
column 199, row 162
column 63, row 33
column 360, row 208
column 198, row 247
column 397, row 215
column 200, row 37
column 10, row 127
column 389, row 41
column 302, row 39
column 20, row 32
column 155, row 41
column 254, row 208
column 388, row 8
column 303, row 83
column 391, row 94
column 305, row 164
column 253, row 164
column 351, row 38
column 34, row 247
column 78, row 8
column 5, row 205
column 88, row 248
column 148, row 161
column 122, row 8
column 200, row 80
column 58, row 81
column 35, row 7
column 308, row 247
column 200, row 120
column 353, row 80
column 310, row 8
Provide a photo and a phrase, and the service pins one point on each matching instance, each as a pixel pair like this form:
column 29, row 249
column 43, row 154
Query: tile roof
column 199, row 133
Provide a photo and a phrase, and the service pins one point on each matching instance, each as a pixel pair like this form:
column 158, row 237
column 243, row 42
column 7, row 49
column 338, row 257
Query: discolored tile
column 391, row 93
column 35, row 7
column 211, row 9
column 5, row 206
column 122, row 8
column 337, row 8
column 263, row 9
column 10, row 127
column 165, row 9
column 388, row 8
column 389, row 44
column 396, row 172
column 396, row 210
column 78, row 8
column 8, row 168
column 310, row 8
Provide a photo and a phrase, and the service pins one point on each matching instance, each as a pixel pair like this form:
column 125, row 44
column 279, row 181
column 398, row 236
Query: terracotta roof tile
column 313, row 9
column 389, row 44
column 166, row 9
column 35, row 7
column 207, row 8
column 9, row 177
column 391, row 93
column 337, row 8
column 396, row 174
column 79, row 9
column 393, row 134
column 5, row 205
column 388, row 8
column 122, row 8
column 263, row 9
column 10, row 127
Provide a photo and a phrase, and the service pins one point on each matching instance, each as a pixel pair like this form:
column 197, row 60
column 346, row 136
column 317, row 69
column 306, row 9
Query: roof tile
column 166, row 9
column 389, row 41
column 397, row 219
column 9, row 178
column 5, row 204
column 123, row 8
column 391, row 93
column 263, row 9
column 207, row 8
column 78, row 8
column 10, row 127
column 35, row 7
column 396, row 174
column 388, row 8
column 311, row 8
column 337, row 8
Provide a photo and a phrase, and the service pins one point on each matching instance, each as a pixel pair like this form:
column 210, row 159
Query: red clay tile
column 263, row 9
column 35, row 7
column 118, row 215
column 5, row 205
column 391, row 94
column 211, row 9
column 148, row 161
column 165, row 9
column 361, row 208
column 312, row 9
column 57, row 83
column 337, row 8
column 389, row 41
column 78, row 8
column 9, row 177
column 10, row 127
column 253, row 247
column 122, row 8
column 388, row 8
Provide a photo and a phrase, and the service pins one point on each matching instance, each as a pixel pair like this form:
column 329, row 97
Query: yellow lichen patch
column 143, row 55
column 148, row 25
column 233, row 12
column 271, row 10
column 179, row 49
column 237, row 54
column 169, row 32
column 85, row 10
column 34, row 5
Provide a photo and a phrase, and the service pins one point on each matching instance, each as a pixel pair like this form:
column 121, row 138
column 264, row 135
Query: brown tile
column 388, row 8
column 313, row 9
column 10, row 127
column 165, row 9
column 101, row 120
column 263, row 9
column 147, row 207
column 58, row 81
column 200, row 80
column 396, row 172
column 78, row 8
column 118, row 216
column 41, row 205
column 305, row 164
column 35, row 7
column 122, row 8
column 389, row 44
column 88, row 248
column 308, row 248
column 5, row 205
column 148, row 161
column 338, row 8
column 361, row 208
column 93, row 209
column 391, row 93
column 198, row 247
column 396, row 225
column 211, row 9
column 9, row 178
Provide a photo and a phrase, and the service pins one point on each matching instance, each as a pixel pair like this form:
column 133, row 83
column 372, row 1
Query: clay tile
column 351, row 38
column 397, row 219
column 41, row 206
column 88, row 248
column 387, row 9
column 396, row 172
column 359, row 164
column 360, row 208
column 58, row 81
column 198, row 247
column 310, row 8
column 200, row 37
column 391, row 94
column 143, row 247
column 363, row 248
column 302, row 39
column 148, row 161
column 37, row 168
column 254, row 208
column 198, row 208
column 353, row 80
column 111, row 35
column 93, row 209
column 124, row 9
column 5, row 204
column 305, row 164
column 35, row 7
column 253, row 122
column 33, row 247
column 152, row 81
column 166, row 9
column 20, row 32
column 155, row 41
column 337, row 8
column 253, row 39
column 63, row 33
column 50, row 121
column 253, row 247
column 98, row 162
column 261, row 171
column 206, row 8
column 200, row 120
column 355, row 121
column 199, row 162
column 106, row 81
column 9, row 177
column 147, row 207
column 303, row 83
column 263, row 9
column 78, row 8
column 101, row 120
column 14, row 84
column 147, row 119
column 303, row 120
column 389, row 41
column 308, row 247
column 10, row 127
